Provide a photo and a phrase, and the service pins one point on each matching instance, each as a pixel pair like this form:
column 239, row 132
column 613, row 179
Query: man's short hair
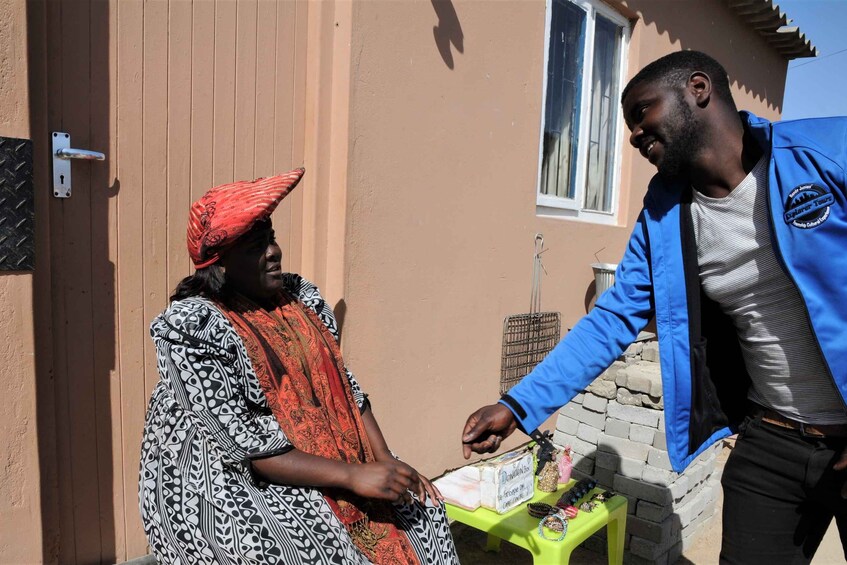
column 676, row 68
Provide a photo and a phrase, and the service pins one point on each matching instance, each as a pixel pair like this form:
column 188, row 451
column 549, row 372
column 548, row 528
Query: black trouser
column 780, row 495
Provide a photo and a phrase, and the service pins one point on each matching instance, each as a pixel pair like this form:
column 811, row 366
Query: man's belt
column 774, row 418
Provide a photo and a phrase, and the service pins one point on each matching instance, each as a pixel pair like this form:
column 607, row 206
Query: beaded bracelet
column 543, row 523
column 570, row 512
column 589, row 505
column 595, row 500
column 539, row 509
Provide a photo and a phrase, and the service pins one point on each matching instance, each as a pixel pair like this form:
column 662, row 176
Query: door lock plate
column 61, row 167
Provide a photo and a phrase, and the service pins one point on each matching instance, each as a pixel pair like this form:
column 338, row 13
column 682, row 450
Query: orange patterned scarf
column 299, row 367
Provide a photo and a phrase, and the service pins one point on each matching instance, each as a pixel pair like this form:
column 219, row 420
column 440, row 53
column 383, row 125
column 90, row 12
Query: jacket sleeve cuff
column 517, row 410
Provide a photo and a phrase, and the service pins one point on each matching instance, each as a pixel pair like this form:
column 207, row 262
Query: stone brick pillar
column 616, row 431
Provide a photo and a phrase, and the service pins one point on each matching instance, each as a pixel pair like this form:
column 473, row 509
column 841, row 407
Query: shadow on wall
column 590, row 296
column 340, row 311
column 448, row 31
column 720, row 32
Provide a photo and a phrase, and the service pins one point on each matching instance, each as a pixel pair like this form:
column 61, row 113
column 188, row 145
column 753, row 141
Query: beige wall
column 441, row 195
column 20, row 511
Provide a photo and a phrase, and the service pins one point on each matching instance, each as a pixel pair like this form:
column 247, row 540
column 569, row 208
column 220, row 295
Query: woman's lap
column 235, row 522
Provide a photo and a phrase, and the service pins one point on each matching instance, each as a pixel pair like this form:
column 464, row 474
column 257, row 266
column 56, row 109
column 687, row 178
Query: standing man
column 740, row 254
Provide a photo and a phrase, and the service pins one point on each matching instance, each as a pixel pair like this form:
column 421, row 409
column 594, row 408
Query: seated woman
column 259, row 446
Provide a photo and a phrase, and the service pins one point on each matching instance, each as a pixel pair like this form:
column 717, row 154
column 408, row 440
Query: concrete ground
column 470, row 544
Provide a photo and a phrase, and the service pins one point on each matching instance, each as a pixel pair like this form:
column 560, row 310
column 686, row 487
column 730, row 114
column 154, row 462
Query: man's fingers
column 486, row 428
column 471, row 432
column 491, row 443
column 472, row 428
column 497, row 441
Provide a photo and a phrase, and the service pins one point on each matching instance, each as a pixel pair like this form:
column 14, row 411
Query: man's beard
column 686, row 139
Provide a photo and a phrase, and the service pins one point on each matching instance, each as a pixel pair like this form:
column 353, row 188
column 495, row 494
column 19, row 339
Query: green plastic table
column 518, row 527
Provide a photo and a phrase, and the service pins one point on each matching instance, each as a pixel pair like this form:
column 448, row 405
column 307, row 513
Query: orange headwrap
column 227, row 212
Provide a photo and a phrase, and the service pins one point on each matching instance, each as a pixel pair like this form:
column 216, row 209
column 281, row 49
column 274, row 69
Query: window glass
column 579, row 153
column 601, row 137
column 564, row 78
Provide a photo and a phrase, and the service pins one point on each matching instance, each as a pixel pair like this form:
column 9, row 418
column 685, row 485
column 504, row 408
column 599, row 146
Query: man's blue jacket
column 704, row 379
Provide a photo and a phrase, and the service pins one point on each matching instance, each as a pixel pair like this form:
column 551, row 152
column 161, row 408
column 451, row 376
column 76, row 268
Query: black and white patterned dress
column 207, row 415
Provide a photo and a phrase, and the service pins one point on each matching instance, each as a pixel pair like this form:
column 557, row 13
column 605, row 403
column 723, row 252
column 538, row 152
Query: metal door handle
column 71, row 153
column 62, row 154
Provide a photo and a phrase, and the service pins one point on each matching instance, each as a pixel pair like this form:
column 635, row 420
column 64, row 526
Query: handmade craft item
column 540, row 509
column 548, row 479
column 545, row 450
column 572, row 495
column 596, row 500
column 565, row 464
column 588, row 506
column 570, row 512
column 555, row 522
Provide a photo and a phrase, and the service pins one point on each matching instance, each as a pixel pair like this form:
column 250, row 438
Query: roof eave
column 766, row 19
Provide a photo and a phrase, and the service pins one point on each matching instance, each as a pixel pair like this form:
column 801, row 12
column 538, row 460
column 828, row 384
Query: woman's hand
column 392, row 480
column 384, row 480
column 420, row 485
column 428, row 489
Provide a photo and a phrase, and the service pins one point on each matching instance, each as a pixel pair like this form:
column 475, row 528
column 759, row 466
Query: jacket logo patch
column 807, row 206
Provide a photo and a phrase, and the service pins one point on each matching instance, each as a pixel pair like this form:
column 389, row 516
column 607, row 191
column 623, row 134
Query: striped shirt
column 739, row 271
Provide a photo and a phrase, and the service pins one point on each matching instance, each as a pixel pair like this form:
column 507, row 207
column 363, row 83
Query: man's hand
column 486, row 428
column 841, row 465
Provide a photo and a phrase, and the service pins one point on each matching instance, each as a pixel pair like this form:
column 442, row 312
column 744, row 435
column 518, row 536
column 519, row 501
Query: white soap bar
column 499, row 484
column 461, row 487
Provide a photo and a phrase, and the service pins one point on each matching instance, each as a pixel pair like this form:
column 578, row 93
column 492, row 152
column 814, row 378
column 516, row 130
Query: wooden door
column 180, row 95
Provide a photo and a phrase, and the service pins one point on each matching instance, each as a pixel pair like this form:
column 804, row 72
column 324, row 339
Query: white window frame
column 571, row 208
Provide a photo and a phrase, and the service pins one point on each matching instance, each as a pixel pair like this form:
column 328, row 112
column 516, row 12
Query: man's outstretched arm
column 597, row 340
